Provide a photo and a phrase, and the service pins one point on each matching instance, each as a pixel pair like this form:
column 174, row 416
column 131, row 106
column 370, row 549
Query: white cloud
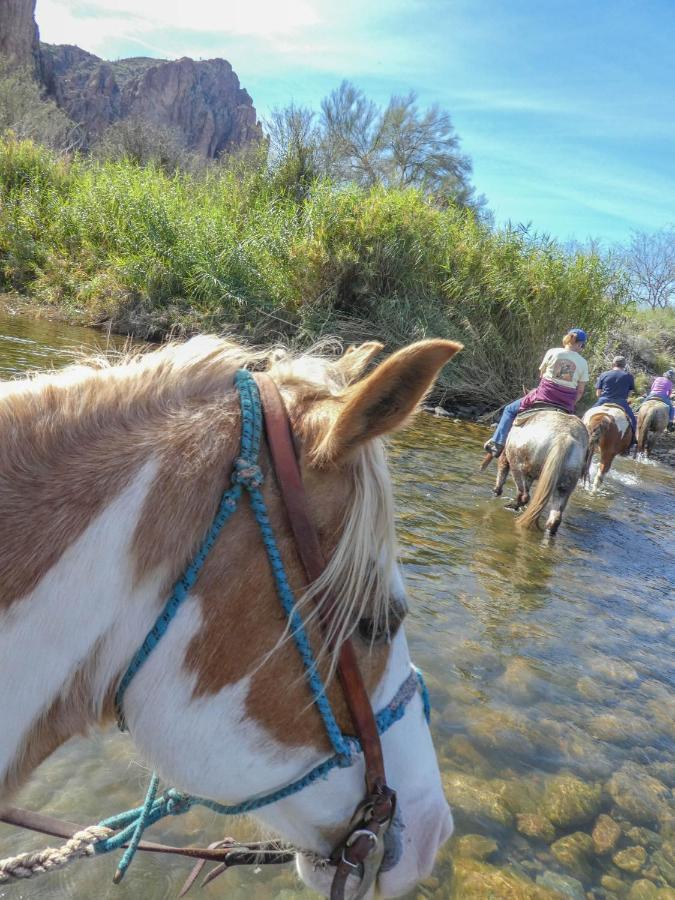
column 95, row 23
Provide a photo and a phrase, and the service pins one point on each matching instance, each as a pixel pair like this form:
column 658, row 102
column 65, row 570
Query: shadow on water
column 541, row 659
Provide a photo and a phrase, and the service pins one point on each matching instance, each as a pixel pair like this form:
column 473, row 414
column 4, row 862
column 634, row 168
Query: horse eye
column 371, row 632
column 384, row 629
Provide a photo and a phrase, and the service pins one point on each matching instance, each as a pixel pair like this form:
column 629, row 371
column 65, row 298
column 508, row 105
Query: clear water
column 528, row 649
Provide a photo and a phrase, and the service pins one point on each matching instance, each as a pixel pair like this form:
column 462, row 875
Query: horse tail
column 594, row 437
column 547, row 481
column 644, row 423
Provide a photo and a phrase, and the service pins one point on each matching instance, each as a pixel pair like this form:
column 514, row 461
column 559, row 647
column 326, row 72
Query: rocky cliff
column 202, row 102
column 19, row 39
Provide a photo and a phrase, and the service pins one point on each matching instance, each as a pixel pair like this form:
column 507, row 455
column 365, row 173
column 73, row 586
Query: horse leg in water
column 558, row 503
column 604, row 465
column 523, row 483
column 502, row 474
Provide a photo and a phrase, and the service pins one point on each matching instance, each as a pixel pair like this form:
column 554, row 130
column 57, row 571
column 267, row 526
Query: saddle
column 523, row 417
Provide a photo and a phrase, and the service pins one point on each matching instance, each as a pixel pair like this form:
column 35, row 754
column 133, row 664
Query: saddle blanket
column 527, row 414
column 609, row 409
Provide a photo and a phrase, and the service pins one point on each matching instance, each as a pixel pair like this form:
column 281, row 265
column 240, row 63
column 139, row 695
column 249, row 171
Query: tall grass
column 233, row 248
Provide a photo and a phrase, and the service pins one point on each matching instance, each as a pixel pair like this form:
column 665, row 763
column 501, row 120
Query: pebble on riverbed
column 569, row 801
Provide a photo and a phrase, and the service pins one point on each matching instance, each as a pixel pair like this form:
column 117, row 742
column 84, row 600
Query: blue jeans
column 508, row 418
column 625, row 405
column 667, row 401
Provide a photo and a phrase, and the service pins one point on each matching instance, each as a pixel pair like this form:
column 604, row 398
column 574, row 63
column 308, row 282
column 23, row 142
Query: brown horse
column 652, row 419
column 549, row 448
column 609, row 431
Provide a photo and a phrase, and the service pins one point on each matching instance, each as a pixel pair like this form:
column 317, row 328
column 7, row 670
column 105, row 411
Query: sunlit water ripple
column 535, row 654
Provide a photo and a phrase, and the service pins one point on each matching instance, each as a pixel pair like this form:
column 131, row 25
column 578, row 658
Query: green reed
column 233, row 248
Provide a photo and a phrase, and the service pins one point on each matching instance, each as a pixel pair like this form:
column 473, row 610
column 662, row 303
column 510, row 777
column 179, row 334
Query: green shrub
column 155, row 251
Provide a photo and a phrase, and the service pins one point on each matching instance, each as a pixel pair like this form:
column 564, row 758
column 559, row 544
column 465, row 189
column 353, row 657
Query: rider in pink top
column 662, row 389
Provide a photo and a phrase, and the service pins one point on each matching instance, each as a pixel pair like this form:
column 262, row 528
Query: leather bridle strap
column 289, row 480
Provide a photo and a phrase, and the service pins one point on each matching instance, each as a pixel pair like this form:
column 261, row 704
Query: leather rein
column 365, row 841
column 361, row 851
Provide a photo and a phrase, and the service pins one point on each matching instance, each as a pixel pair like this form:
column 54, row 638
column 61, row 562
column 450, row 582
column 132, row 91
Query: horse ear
column 356, row 358
column 383, row 400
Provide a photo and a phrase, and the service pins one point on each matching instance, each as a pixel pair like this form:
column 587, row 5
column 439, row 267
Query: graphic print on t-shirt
column 564, row 369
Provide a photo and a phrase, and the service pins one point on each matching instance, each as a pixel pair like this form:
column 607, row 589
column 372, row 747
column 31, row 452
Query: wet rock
column 564, row 884
column 569, row 801
column 520, row 681
column 462, row 752
column 613, row 884
column 643, row 890
column 521, row 795
column 510, row 732
column 585, row 755
column 644, row 836
column 535, row 826
column 614, row 671
column 575, row 852
column 474, row 846
column 606, row 833
column 474, row 880
column 474, row 798
column 665, row 866
column 620, row 728
column 637, row 794
column 665, row 772
column 632, row 859
column 595, row 691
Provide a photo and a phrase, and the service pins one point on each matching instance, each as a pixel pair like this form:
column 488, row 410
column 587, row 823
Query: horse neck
column 78, row 594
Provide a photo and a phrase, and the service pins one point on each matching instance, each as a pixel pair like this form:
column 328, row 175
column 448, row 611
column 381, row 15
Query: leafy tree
column 353, row 140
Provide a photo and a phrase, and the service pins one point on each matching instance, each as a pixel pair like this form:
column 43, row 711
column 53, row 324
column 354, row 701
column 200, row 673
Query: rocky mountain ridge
column 201, row 102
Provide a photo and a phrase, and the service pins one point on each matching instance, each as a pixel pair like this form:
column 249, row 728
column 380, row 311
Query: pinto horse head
column 109, row 477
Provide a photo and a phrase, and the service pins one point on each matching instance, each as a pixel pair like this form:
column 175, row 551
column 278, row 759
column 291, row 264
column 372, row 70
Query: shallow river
column 551, row 670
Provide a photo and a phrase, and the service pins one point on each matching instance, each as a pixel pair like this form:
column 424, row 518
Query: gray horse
column 652, row 419
column 549, row 447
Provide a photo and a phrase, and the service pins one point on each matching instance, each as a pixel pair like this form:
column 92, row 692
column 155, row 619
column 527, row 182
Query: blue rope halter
column 131, row 824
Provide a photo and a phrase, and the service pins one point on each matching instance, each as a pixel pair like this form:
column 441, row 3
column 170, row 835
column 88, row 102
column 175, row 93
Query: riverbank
column 238, row 249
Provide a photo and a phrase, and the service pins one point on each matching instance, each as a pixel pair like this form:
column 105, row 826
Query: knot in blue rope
column 247, row 473
column 177, row 803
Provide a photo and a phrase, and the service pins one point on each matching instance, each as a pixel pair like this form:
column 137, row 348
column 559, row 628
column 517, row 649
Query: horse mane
column 137, row 384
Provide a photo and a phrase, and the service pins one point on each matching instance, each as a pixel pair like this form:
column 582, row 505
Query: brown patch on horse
column 244, row 620
column 60, row 466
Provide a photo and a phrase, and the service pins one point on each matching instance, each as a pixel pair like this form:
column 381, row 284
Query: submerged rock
column 575, row 852
column 614, row 884
column 643, row 890
column 474, row 846
column 535, row 826
column 564, row 884
column 475, row 799
column 632, row 859
column 520, row 681
column 615, row 671
column 606, row 833
column 569, row 801
column 620, row 728
column 475, row 880
column 637, row 794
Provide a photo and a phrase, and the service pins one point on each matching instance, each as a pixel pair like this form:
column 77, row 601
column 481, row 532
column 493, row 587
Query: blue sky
column 567, row 109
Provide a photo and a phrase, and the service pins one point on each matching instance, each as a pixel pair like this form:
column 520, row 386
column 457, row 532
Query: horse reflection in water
column 109, row 478
column 548, row 448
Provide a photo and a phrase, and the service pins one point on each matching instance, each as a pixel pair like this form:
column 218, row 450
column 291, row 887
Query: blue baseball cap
column 579, row 334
